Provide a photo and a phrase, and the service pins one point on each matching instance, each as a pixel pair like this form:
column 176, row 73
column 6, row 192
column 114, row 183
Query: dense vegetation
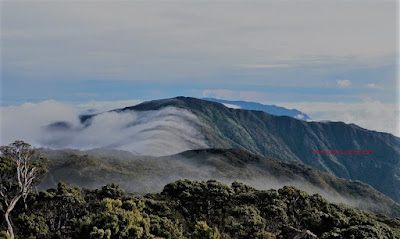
column 94, row 168
column 21, row 169
column 192, row 209
column 286, row 138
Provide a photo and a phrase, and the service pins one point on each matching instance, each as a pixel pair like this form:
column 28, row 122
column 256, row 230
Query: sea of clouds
column 161, row 132
column 157, row 133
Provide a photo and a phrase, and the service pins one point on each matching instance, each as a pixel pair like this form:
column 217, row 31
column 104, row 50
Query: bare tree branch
column 23, row 158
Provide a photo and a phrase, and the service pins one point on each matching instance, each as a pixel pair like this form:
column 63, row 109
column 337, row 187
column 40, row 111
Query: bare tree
column 21, row 169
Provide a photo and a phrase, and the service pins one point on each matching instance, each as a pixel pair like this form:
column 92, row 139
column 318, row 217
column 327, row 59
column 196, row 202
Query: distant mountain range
column 94, row 168
column 270, row 109
column 281, row 137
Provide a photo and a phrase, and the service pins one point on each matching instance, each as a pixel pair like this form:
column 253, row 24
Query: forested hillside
column 193, row 209
column 144, row 174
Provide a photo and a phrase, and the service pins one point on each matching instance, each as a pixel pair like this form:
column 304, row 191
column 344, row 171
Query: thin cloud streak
column 343, row 83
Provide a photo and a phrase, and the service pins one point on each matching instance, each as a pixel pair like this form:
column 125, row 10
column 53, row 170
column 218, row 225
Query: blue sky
column 266, row 51
column 365, row 83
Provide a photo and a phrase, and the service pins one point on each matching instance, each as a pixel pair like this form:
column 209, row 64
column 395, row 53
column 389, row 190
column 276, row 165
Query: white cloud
column 299, row 116
column 372, row 115
column 102, row 106
column 231, row 106
column 25, row 122
column 373, row 86
column 343, row 83
column 161, row 132
column 261, row 66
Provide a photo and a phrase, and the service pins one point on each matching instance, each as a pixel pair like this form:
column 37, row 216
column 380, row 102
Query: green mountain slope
column 286, row 138
column 93, row 169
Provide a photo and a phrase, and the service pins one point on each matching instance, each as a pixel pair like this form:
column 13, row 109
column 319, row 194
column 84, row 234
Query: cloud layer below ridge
column 162, row 132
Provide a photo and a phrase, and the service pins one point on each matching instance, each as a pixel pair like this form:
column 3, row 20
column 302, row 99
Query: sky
column 334, row 60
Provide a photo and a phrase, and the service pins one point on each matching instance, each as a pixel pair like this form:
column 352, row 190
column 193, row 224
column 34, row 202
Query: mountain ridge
column 286, row 138
column 270, row 109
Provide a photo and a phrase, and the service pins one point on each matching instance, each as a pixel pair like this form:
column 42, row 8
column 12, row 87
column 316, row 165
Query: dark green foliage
column 100, row 233
column 8, row 184
column 60, row 207
column 240, row 211
column 361, row 232
column 194, row 209
column 165, row 227
column 112, row 191
column 203, row 231
column 32, row 226
column 4, row 235
column 21, row 169
column 119, row 222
